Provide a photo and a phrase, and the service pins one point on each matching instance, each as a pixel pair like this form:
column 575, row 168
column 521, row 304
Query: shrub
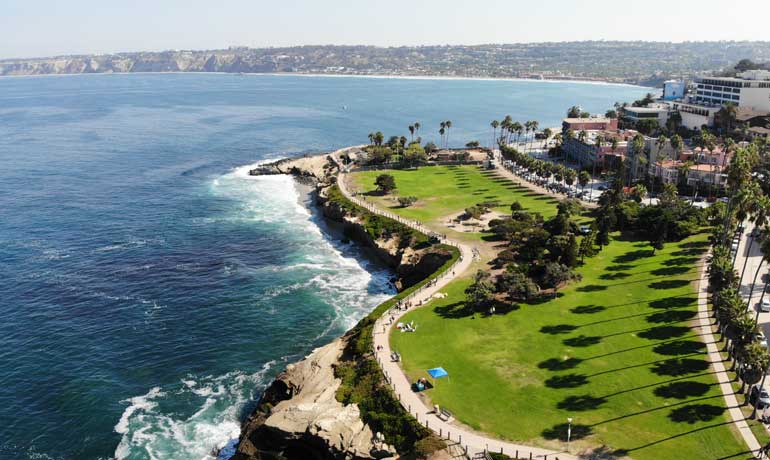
column 406, row 201
column 427, row 446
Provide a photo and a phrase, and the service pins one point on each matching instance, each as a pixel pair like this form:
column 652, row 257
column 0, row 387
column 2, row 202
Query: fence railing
column 422, row 418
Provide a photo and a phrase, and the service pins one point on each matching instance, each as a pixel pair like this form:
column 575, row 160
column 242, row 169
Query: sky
column 30, row 28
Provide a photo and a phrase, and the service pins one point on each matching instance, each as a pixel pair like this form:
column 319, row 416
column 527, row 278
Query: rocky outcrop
column 299, row 417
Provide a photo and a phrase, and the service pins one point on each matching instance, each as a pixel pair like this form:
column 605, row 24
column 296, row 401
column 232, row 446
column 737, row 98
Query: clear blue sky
column 50, row 27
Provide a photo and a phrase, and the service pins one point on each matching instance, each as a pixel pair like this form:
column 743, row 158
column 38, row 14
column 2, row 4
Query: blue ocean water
column 149, row 288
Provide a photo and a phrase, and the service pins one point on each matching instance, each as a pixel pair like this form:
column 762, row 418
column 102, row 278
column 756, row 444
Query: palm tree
column 411, row 131
column 533, row 125
column 517, row 128
column 371, row 138
column 379, row 138
column 547, row 134
column 494, row 126
column 583, row 179
column 759, row 207
column 442, row 130
column 417, row 128
column 765, row 246
column 660, row 144
column 448, row 124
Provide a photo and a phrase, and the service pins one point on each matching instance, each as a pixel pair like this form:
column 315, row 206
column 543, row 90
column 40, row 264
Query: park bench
column 444, row 415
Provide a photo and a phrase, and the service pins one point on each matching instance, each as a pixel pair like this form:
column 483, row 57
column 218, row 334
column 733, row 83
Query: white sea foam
column 331, row 272
column 149, row 431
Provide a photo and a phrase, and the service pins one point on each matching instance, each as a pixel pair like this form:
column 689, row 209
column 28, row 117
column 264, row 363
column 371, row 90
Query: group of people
column 407, row 327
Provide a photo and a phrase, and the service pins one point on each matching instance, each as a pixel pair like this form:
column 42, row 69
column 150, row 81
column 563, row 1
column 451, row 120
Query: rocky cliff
column 300, row 415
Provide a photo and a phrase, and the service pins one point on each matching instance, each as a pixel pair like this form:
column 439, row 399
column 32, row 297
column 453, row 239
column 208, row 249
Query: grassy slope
column 446, row 190
column 615, row 352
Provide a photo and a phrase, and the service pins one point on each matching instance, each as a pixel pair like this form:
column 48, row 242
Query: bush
column 427, row 446
column 406, row 201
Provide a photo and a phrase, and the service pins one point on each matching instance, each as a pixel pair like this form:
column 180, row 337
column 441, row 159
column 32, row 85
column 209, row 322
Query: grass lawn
column 445, row 190
column 615, row 351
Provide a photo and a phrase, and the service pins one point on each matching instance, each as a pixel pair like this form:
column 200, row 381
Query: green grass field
column 445, row 190
column 616, row 351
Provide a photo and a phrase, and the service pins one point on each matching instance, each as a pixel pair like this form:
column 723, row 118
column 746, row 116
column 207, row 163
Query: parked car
column 585, row 229
column 765, row 305
column 759, row 397
column 601, row 187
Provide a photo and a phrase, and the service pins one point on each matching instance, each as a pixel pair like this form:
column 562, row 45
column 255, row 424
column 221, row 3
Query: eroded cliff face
column 299, row 417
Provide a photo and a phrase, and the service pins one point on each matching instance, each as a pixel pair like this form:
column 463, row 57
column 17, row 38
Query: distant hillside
column 630, row 62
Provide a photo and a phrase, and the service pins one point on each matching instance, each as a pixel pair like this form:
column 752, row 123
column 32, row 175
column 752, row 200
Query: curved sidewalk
column 470, row 441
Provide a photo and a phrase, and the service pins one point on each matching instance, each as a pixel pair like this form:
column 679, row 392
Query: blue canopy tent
column 438, row 372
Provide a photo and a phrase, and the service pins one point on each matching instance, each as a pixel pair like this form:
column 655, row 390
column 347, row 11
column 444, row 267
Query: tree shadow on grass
column 687, row 253
column 557, row 329
column 680, row 366
column 673, row 302
column 680, row 261
column 454, row 310
column 669, row 284
column 591, row 288
column 619, row 268
column 664, row 332
column 614, row 276
column 559, row 432
column 682, row 390
column 633, row 256
column 582, row 341
column 566, row 381
column 672, row 271
column 695, row 244
column 695, row 413
column 581, row 403
column 679, row 347
column 556, row 364
column 671, row 316
column 587, row 309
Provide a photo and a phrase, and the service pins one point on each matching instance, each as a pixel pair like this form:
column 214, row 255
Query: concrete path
column 469, row 440
column 714, row 356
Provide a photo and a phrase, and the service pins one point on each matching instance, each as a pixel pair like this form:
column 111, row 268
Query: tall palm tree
column 411, row 131
column 495, row 124
column 371, row 138
column 654, row 158
column 442, row 130
column 765, row 246
column 760, row 213
column 517, row 128
column 533, row 126
column 417, row 128
column 448, row 124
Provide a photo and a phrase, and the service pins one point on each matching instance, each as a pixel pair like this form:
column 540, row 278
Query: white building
column 653, row 111
column 694, row 116
column 749, row 89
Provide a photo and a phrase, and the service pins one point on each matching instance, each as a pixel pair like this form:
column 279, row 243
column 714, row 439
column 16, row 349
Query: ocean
column 149, row 287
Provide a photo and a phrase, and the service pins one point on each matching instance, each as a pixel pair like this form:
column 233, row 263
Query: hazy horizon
column 44, row 28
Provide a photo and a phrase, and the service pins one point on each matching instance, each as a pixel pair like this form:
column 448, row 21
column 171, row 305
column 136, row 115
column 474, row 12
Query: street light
column 569, row 431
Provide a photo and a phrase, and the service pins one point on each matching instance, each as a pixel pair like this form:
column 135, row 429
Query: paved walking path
column 715, row 357
column 471, row 441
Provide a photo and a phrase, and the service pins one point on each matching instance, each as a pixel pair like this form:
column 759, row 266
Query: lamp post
column 569, row 431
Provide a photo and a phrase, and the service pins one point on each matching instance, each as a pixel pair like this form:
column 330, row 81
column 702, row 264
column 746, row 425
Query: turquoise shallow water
column 149, row 287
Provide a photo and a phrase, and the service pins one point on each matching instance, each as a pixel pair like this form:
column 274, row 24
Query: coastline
column 340, row 75
column 304, row 412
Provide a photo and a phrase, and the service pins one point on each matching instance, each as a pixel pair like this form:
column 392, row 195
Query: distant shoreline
column 341, row 75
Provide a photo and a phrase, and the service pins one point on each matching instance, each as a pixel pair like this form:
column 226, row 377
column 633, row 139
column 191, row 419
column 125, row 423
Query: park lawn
column 615, row 351
column 442, row 191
